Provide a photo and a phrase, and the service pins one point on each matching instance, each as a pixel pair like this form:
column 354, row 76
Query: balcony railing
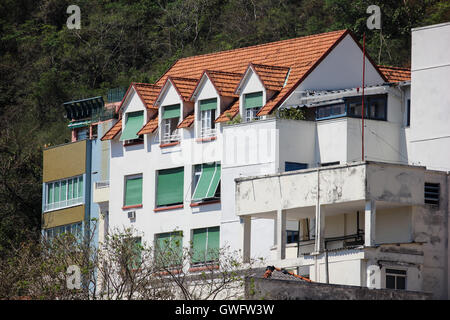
column 116, row 94
column 63, row 204
column 208, row 133
column 171, row 137
column 102, row 184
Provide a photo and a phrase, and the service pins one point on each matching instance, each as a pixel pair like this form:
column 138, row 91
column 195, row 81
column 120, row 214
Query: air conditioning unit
column 132, row 214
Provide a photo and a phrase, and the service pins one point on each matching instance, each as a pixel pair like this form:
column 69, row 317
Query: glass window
column 250, row 114
column 63, row 193
column 374, row 107
column 208, row 124
column 291, row 236
column 396, row 279
column 252, row 103
column 331, row 111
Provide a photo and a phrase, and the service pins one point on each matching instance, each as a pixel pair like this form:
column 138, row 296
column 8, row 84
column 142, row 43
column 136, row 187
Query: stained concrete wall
column 274, row 289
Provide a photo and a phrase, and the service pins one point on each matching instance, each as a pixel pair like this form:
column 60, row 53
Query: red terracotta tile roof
column 230, row 113
column 187, row 122
column 148, row 93
column 396, row 74
column 113, row 131
column 272, row 77
column 224, row 82
column 150, row 126
column 184, row 86
column 299, row 54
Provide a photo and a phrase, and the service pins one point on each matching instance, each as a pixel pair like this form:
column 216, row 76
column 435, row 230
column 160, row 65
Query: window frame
column 197, row 174
column 207, row 124
column 396, row 274
column 66, row 228
column 67, row 202
column 250, row 112
column 125, row 181
column 140, row 138
column 367, row 106
column 205, row 261
column 171, row 236
column 158, row 172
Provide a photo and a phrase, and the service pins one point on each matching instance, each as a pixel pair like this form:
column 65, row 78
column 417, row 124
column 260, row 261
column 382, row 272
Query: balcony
column 63, row 204
column 101, row 191
column 208, row 133
column 170, row 138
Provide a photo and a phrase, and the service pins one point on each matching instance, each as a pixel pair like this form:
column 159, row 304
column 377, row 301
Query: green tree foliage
column 43, row 63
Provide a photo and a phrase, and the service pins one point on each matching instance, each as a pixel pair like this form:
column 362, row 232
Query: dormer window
column 133, row 123
column 252, row 104
column 207, row 116
column 170, row 119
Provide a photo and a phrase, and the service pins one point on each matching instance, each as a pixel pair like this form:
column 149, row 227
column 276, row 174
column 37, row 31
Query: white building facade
column 181, row 144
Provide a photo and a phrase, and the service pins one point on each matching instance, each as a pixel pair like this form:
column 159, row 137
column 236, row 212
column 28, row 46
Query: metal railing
column 102, row 184
column 208, row 133
column 116, row 94
column 171, row 137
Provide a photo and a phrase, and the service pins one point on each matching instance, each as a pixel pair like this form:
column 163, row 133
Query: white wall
column 430, row 98
column 342, row 68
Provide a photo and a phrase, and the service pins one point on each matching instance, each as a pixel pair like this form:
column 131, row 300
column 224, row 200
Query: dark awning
column 85, row 108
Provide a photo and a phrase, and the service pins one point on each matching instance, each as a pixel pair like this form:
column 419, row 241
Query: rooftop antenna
column 363, row 84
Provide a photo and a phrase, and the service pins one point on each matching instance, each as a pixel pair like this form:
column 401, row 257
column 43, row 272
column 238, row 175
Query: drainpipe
column 327, row 275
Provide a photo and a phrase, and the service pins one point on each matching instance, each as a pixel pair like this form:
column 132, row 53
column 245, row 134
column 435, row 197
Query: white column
column 369, row 221
column 246, row 231
column 281, row 234
column 320, row 229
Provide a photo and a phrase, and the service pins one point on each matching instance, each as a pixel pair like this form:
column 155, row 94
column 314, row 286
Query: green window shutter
column 80, row 187
column 169, row 248
column 63, row 190
column 163, row 241
column 56, row 187
column 208, row 104
column 201, row 190
column 214, row 182
column 176, row 243
column 50, row 193
column 172, row 111
column 170, row 187
column 133, row 191
column 69, row 189
column 253, row 100
column 133, row 123
column 199, row 245
column 213, row 244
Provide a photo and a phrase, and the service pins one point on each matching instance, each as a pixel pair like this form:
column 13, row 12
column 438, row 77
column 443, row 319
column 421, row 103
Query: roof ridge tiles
column 266, row 66
column 273, row 43
column 183, row 78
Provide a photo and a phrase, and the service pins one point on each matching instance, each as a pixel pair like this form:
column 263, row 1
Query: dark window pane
column 401, row 283
column 395, row 271
column 390, row 282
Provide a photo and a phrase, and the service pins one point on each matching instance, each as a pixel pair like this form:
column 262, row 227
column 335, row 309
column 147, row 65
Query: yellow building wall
column 62, row 217
column 64, row 161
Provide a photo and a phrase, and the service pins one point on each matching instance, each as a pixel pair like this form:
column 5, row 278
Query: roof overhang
column 84, row 108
